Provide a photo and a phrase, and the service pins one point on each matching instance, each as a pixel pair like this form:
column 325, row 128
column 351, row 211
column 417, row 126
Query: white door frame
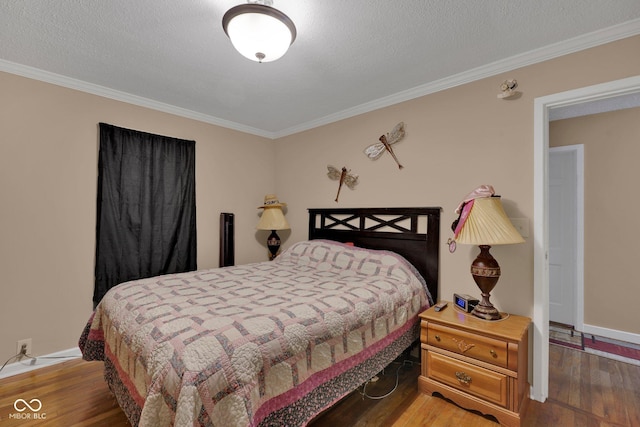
column 542, row 105
column 578, row 149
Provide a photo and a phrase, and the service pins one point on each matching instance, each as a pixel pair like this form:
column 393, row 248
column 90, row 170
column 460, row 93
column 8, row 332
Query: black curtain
column 146, row 222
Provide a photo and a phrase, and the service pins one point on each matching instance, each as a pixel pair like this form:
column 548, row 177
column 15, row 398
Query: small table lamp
column 272, row 219
column 484, row 223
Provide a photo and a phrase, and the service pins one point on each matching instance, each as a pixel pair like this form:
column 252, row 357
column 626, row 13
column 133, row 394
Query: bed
column 272, row 343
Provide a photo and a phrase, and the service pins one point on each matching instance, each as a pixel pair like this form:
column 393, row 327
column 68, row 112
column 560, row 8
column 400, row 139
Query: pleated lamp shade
column 488, row 224
column 273, row 219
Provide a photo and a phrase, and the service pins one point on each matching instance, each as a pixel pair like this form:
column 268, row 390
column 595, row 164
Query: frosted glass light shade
column 488, row 224
column 260, row 33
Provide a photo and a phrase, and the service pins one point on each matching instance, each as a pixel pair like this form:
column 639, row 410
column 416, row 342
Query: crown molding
column 576, row 44
column 105, row 92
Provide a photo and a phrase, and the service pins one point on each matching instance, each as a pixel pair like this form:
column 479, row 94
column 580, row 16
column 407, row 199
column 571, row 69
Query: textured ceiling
column 349, row 56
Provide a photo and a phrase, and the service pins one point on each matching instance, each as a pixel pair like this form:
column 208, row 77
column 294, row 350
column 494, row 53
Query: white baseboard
column 27, row 365
column 612, row 333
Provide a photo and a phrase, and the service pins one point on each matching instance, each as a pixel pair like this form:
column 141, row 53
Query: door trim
column 542, row 105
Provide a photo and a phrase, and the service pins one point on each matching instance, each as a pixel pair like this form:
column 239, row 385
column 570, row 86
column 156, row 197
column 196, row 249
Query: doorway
column 566, row 235
column 542, row 108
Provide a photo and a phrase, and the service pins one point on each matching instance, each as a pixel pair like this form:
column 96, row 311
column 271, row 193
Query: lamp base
column 486, row 272
column 486, row 312
column 273, row 243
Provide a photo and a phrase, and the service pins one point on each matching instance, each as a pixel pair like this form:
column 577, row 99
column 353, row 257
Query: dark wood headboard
column 413, row 233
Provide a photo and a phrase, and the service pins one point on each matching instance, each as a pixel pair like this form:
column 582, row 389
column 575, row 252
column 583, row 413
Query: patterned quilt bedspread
column 229, row 346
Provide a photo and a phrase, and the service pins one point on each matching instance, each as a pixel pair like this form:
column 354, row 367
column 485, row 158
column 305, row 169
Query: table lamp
column 483, row 222
column 272, row 219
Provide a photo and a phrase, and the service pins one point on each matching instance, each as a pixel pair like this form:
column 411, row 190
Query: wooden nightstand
column 478, row 364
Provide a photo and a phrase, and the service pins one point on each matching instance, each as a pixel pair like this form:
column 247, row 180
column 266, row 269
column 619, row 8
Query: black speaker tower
column 227, row 249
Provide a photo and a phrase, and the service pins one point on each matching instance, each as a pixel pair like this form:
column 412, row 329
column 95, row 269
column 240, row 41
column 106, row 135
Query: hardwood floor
column 588, row 390
column 72, row 393
column 405, row 407
column 585, row 390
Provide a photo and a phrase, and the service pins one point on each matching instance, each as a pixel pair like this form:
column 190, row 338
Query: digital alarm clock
column 465, row 302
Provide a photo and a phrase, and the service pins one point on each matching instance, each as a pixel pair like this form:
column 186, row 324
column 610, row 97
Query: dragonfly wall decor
column 374, row 151
column 345, row 176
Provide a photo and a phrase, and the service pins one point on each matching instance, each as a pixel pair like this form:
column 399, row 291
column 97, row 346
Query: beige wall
column 456, row 140
column 611, row 152
column 48, row 165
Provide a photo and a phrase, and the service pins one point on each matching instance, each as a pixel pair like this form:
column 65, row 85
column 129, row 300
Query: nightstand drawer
column 488, row 385
column 471, row 345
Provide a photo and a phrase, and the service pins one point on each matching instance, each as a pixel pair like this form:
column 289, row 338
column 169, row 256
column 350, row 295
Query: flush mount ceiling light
column 258, row 31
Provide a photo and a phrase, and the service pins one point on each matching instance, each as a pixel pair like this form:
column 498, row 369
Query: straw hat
column 271, row 201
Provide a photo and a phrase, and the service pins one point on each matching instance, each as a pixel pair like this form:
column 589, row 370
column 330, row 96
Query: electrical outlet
column 25, row 342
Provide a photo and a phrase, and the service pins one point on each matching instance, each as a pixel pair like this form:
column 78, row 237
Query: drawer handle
column 493, row 353
column 437, row 337
column 463, row 378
